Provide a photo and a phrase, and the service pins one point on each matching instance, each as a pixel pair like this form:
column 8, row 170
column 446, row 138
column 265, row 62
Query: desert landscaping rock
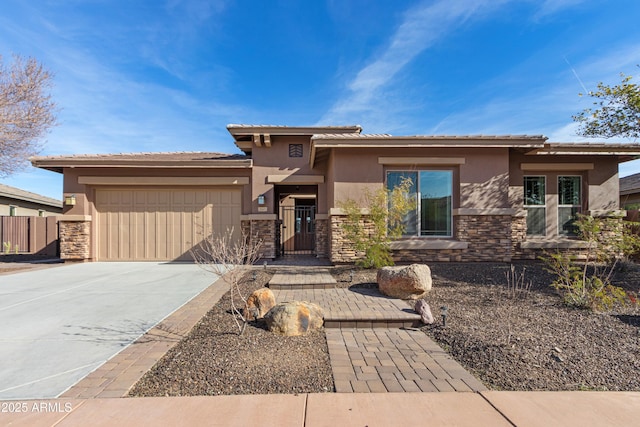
column 423, row 309
column 214, row 360
column 294, row 318
column 259, row 303
column 506, row 343
column 405, row 282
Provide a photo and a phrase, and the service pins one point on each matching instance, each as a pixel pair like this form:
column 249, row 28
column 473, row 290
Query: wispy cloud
column 421, row 28
column 550, row 7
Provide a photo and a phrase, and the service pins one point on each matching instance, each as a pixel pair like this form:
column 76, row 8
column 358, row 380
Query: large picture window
column 535, row 205
column 433, row 189
column 569, row 204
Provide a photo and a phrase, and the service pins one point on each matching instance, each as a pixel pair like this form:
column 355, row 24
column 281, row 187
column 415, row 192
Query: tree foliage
column 371, row 232
column 26, row 111
column 617, row 111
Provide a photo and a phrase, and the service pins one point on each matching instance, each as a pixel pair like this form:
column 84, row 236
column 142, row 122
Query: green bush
column 371, row 232
column 587, row 282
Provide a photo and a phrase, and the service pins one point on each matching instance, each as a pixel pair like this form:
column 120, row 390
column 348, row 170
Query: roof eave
column 55, row 204
column 57, row 165
column 244, row 130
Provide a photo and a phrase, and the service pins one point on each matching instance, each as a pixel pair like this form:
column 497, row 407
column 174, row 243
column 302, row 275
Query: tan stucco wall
column 275, row 160
column 481, row 182
column 600, row 184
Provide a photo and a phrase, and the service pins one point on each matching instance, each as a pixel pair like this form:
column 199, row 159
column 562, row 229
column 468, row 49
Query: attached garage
column 161, row 224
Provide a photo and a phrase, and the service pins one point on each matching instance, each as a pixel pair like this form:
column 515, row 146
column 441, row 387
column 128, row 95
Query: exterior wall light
column 261, row 200
column 70, row 200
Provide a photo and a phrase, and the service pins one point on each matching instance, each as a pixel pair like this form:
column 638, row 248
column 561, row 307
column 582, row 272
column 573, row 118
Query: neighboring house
column 481, row 198
column 17, row 202
column 630, row 192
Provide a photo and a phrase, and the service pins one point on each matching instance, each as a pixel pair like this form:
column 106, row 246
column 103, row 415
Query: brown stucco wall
column 480, row 183
column 275, row 160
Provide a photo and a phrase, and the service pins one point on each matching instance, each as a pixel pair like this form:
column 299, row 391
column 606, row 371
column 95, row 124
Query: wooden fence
column 29, row 235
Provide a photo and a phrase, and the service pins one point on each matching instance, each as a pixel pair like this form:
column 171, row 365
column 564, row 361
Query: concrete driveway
column 58, row 324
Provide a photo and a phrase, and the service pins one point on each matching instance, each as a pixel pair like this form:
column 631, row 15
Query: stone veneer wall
column 322, row 238
column 519, row 235
column 265, row 230
column 75, row 240
column 488, row 238
column 341, row 250
column 611, row 230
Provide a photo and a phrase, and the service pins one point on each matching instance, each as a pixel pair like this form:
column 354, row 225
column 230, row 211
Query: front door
column 305, row 232
column 297, row 234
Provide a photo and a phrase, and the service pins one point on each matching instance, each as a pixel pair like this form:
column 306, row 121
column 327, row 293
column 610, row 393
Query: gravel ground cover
column 531, row 342
column 212, row 359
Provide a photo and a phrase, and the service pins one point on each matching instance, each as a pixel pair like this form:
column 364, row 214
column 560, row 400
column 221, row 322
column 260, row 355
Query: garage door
column 160, row 225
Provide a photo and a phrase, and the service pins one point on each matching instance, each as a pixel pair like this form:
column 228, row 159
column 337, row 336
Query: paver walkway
column 393, row 360
column 372, row 346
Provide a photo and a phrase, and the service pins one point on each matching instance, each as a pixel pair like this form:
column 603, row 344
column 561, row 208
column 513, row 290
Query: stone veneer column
column 75, row 237
column 265, row 230
column 519, row 235
column 341, row 250
column 489, row 236
column 322, row 236
column 612, row 227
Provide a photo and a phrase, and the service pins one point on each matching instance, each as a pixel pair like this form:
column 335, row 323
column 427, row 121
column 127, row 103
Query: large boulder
column 294, row 318
column 405, row 282
column 259, row 303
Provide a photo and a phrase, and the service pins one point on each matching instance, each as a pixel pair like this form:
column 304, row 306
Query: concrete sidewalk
column 490, row 408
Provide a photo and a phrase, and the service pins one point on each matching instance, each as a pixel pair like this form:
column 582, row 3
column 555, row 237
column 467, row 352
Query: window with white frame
column 433, row 189
column 13, row 210
column 535, row 205
column 569, row 204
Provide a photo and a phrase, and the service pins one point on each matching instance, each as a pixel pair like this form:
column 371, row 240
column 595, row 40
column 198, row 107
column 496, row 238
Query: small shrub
column 371, row 233
column 517, row 286
column 588, row 283
column 582, row 286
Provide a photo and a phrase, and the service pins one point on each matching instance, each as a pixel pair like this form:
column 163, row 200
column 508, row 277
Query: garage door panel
column 143, row 224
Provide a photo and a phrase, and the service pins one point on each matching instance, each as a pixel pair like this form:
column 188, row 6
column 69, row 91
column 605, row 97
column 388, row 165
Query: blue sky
column 169, row 75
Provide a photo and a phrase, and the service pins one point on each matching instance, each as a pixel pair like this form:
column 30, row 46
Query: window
column 434, row 190
column 569, row 204
column 40, row 213
column 535, row 205
column 13, row 210
column 295, row 150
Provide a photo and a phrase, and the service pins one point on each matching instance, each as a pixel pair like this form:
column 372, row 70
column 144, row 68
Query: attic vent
column 295, row 150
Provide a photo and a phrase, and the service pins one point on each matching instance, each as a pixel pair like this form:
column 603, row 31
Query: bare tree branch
column 26, row 111
column 229, row 258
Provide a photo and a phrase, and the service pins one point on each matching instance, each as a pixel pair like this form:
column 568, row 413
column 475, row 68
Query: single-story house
column 17, row 202
column 498, row 198
column 630, row 191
